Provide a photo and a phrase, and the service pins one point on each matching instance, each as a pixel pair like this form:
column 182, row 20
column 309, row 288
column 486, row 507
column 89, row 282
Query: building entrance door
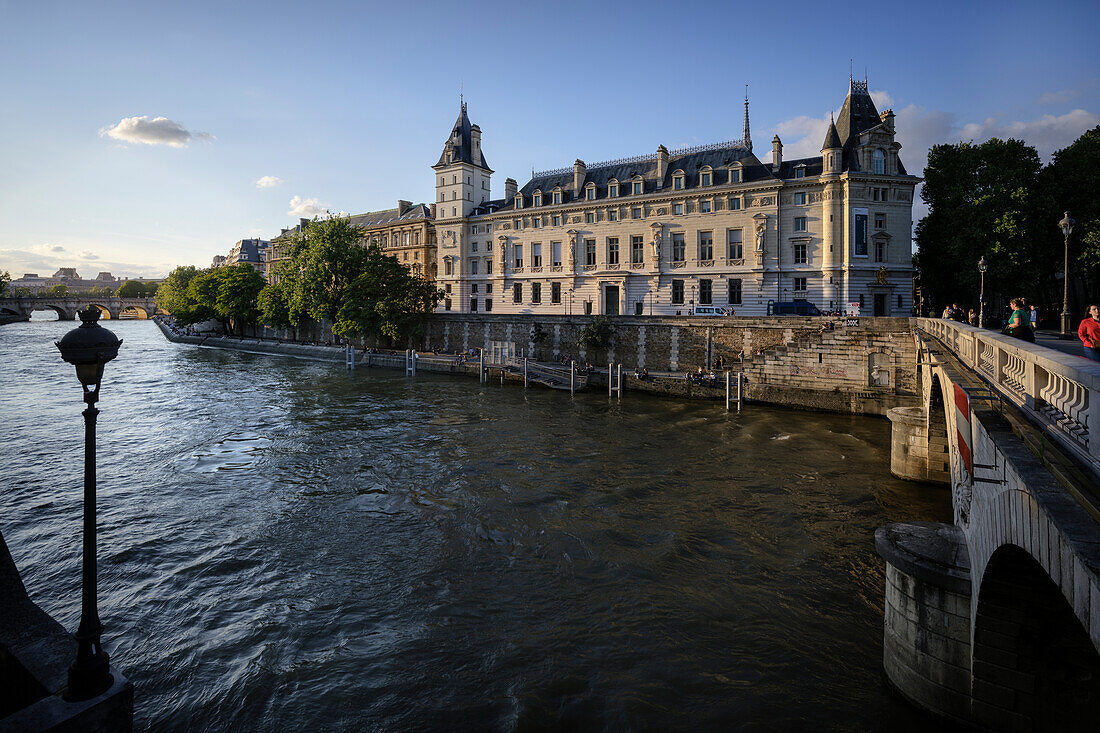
column 880, row 304
column 611, row 300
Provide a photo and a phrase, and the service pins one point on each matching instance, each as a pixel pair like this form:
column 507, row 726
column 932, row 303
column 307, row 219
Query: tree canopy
column 136, row 289
column 995, row 199
column 227, row 294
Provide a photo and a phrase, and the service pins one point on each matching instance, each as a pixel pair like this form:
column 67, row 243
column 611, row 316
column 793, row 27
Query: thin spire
column 746, row 138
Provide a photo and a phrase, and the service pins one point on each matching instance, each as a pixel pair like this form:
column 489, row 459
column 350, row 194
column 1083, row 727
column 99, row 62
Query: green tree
column 172, row 295
column 238, row 290
column 200, row 299
column 5, row 280
column 58, row 291
column 983, row 200
column 386, row 301
column 131, row 289
column 150, row 290
column 597, row 334
column 326, row 258
column 1073, row 178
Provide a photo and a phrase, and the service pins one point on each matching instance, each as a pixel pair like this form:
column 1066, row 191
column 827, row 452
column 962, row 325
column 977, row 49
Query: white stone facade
column 705, row 226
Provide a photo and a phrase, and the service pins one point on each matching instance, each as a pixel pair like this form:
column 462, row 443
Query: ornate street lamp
column 691, row 305
column 1067, row 228
column 88, row 347
column 982, row 267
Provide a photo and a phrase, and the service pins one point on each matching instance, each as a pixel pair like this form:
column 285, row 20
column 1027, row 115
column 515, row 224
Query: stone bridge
column 67, row 307
column 994, row 621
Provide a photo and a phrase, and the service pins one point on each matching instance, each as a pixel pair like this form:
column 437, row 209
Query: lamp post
column 691, row 305
column 570, row 302
column 88, row 347
column 1067, row 228
column 982, row 267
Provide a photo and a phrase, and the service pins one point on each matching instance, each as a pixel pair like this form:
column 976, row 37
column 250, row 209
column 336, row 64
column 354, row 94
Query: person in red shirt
column 1089, row 333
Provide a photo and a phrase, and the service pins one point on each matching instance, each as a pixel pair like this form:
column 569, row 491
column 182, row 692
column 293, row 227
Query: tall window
column 612, row 250
column 636, row 212
column 880, row 251
column 555, row 292
column 880, row 221
column 677, row 209
column 706, row 246
column 612, row 214
column 860, row 235
column 517, row 252
column 800, row 223
column 735, row 175
column 879, row 160
column 557, row 197
column 517, row 293
column 799, row 198
column 448, row 267
column 488, row 304
column 677, row 292
column 613, row 190
column 678, row 182
column 536, row 199
column 589, row 217
column 473, row 267
column 555, row 220
column 590, row 193
column 638, row 188
column 800, row 253
column 735, row 203
column 706, row 292
column 473, row 246
column 636, row 250
column 704, row 206
column 678, row 248
column 590, row 251
column 488, row 267
column 704, row 179
column 735, row 292
column 733, row 238
column 800, row 284
column 555, row 254
column 473, row 305
column 536, row 254
column 536, row 292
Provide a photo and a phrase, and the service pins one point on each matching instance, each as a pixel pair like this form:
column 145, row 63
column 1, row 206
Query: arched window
column 536, row 198
column 678, row 180
column 706, row 176
column 557, row 196
column 612, row 188
column 880, row 162
column 590, row 192
column 519, row 200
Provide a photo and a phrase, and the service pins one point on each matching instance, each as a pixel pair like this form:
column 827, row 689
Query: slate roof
column 415, row 212
column 461, row 143
column 832, row 137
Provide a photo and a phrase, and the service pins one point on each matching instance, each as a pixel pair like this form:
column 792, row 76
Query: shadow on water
column 285, row 544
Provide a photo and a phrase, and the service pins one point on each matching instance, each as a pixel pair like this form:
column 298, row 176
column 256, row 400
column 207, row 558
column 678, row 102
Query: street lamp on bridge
column 982, row 267
column 1067, row 228
column 88, row 347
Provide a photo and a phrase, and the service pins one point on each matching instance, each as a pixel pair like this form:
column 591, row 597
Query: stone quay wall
column 866, row 368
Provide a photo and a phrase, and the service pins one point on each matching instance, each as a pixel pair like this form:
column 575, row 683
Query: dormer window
column 637, row 186
column 678, row 181
column 613, row 188
column 519, row 200
column 556, row 196
column 705, row 176
column 590, row 192
column 536, row 198
column 735, row 175
column 800, row 172
column 879, row 162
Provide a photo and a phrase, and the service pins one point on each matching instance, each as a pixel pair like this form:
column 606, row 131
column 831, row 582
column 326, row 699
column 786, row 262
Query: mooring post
column 610, row 379
column 727, row 391
column 414, row 356
column 525, row 372
column 620, row 371
column 740, row 382
column 572, row 371
column 481, row 366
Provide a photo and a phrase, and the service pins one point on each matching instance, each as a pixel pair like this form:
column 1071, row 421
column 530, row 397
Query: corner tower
column 461, row 175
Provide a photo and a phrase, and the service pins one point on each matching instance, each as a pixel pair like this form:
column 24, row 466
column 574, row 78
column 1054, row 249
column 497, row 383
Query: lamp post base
column 1067, row 328
column 89, row 677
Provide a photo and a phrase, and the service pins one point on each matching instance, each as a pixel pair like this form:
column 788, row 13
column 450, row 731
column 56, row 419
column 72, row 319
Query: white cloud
column 268, row 182
column 156, row 131
column 883, row 98
column 802, row 136
column 306, row 208
column 1046, row 134
column 1059, row 97
column 88, row 255
column 57, row 248
column 41, row 262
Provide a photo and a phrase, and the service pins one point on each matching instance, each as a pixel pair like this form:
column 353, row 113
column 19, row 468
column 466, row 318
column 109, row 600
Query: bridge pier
column 926, row 641
column 918, row 449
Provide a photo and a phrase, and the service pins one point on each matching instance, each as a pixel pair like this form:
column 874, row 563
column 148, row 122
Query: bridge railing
column 1059, row 391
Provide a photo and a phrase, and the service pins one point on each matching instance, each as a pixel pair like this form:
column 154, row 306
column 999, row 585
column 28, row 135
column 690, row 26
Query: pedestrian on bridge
column 1089, row 333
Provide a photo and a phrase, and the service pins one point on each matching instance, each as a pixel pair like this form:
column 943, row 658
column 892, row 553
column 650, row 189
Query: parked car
column 792, row 308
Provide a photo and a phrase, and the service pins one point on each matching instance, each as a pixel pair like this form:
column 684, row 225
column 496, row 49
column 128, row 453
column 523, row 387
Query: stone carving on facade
column 449, row 239
column 658, row 232
column 503, row 251
column 572, row 246
column 880, row 279
column 761, row 231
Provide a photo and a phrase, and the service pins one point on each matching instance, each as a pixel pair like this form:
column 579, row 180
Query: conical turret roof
column 832, row 138
column 460, row 144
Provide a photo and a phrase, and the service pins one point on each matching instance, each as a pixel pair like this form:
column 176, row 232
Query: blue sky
column 345, row 106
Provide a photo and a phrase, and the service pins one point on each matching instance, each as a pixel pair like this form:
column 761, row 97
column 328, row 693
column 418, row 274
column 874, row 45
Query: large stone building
column 710, row 225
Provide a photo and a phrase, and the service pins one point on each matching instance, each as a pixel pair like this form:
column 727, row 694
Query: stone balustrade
column 1053, row 388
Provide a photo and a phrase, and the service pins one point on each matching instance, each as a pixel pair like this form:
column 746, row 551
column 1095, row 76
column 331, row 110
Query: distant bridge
column 995, row 620
column 67, row 307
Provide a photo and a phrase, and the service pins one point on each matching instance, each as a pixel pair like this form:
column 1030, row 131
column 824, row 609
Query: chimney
column 887, row 117
column 303, row 222
column 433, row 212
column 510, row 187
column 662, row 165
column 777, row 153
column 402, row 206
column 580, row 170
column 475, row 138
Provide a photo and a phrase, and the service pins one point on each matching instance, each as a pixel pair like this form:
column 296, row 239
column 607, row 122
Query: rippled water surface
column 286, row 545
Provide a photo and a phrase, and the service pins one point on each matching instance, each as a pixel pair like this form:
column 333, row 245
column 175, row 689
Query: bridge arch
column 63, row 313
column 138, row 311
column 1034, row 665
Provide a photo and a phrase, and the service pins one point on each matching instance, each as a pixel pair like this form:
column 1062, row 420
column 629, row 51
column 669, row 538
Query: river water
column 287, row 545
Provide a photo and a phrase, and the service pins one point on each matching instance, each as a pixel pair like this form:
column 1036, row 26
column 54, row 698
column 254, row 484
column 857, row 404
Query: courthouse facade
column 665, row 233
